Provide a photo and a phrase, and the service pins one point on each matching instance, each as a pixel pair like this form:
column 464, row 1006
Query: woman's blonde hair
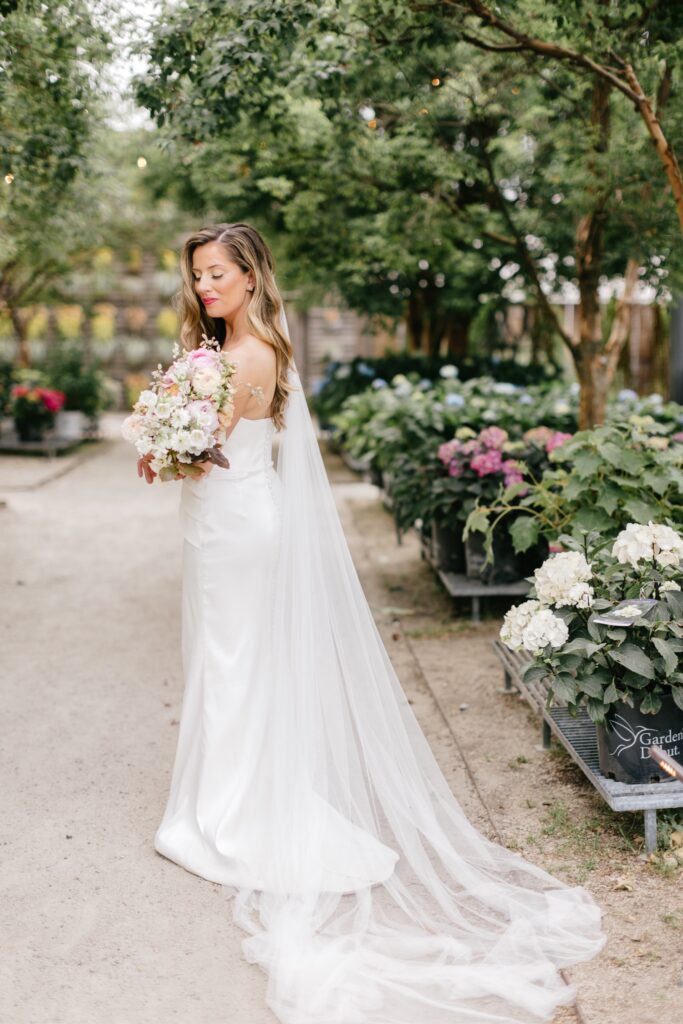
column 244, row 246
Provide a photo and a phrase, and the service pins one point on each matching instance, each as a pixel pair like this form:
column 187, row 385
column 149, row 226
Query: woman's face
column 220, row 284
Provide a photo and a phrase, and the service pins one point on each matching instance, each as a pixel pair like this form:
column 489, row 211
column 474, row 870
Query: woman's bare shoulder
column 255, row 353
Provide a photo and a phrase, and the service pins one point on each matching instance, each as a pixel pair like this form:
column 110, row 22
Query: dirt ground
column 97, row 928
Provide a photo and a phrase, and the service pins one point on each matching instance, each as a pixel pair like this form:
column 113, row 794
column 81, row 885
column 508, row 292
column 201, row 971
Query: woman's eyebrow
column 195, row 271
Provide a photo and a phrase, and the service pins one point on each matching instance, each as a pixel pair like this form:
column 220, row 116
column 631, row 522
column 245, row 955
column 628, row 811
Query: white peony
column 515, row 622
column 563, row 580
column 637, row 543
column 545, row 629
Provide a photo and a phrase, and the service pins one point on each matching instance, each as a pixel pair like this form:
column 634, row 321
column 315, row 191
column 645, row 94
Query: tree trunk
column 415, row 324
column 20, row 332
column 458, row 336
column 590, row 243
column 596, row 364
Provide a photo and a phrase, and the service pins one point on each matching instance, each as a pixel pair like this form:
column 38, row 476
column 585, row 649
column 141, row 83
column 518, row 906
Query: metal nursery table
column 578, row 737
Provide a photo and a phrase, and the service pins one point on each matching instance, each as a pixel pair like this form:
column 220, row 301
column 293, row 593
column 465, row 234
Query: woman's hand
column 144, row 468
column 205, row 467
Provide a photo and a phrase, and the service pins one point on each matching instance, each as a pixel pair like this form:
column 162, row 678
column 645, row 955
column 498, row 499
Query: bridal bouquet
column 183, row 416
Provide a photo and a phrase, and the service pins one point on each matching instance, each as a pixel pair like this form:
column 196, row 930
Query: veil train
column 383, row 905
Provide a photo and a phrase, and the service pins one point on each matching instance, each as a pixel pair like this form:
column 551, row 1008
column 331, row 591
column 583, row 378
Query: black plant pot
column 376, row 476
column 448, row 547
column 624, row 742
column 30, row 430
column 507, row 566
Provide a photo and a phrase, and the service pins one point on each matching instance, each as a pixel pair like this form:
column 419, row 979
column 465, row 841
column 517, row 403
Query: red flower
column 52, row 399
column 19, row 391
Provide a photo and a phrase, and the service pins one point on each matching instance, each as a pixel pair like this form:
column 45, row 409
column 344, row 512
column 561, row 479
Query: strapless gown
column 216, row 821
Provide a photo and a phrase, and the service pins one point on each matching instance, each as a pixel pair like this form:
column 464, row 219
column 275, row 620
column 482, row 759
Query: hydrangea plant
column 634, row 657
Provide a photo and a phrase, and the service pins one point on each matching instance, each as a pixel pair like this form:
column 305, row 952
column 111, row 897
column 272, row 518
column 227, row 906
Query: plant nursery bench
column 577, row 736
column 460, row 585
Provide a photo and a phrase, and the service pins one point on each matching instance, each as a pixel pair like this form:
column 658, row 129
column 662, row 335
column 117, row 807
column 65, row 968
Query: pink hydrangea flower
column 487, row 462
column 678, row 436
column 455, row 468
column 493, row 437
column 556, row 440
column 447, row 450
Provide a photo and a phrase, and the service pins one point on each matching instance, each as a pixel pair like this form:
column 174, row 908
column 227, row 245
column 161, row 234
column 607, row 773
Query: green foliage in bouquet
column 636, row 658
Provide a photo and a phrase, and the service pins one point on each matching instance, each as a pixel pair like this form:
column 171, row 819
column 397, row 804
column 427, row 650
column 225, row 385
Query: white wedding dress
column 302, row 779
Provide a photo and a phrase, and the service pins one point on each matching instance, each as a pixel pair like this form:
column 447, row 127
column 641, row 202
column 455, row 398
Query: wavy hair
column 244, row 246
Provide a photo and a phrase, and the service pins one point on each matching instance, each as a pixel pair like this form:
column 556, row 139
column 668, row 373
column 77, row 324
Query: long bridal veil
column 382, row 904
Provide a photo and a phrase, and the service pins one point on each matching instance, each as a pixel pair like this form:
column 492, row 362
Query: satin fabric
column 220, row 804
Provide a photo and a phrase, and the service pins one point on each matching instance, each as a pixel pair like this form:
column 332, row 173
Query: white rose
column 148, row 399
column 206, row 380
column 543, row 630
column 133, row 427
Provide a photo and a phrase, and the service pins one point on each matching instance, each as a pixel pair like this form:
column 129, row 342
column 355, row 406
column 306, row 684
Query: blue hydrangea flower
column 379, row 383
column 454, row 401
column 627, row 395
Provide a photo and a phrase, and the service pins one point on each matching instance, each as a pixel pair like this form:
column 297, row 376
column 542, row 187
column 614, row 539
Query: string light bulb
column 424, row 110
column 142, row 162
column 436, row 82
column 9, row 178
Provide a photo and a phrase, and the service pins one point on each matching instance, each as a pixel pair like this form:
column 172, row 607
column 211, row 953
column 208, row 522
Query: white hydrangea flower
column 515, row 622
column 563, row 580
column 637, row 543
column 545, row 629
column 448, row 372
column 580, row 595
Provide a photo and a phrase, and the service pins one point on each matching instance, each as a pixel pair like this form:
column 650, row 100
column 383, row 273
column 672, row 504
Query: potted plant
column 71, row 370
column 477, row 467
column 604, row 627
column 600, row 480
column 33, row 409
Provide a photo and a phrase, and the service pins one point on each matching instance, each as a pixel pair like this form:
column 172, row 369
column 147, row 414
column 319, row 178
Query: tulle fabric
column 383, row 905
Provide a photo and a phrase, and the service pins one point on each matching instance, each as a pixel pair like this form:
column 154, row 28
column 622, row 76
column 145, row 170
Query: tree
column 534, row 173
column 48, row 109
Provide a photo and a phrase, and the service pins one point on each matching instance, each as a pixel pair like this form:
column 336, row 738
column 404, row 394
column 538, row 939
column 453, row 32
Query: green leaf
column 580, row 645
column 642, row 511
column 592, row 518
column 611, row 694
column 596, row 710
column 635, row 659
column 594, row 687
column 524, row 532
column 677, row 694
column 586, row 464
column 534, row 672
column 668, row 653
column 565, row 687
column 650, row 704
column 622, row 458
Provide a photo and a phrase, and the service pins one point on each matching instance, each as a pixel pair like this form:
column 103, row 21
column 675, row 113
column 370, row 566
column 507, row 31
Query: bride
column 302, row 780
